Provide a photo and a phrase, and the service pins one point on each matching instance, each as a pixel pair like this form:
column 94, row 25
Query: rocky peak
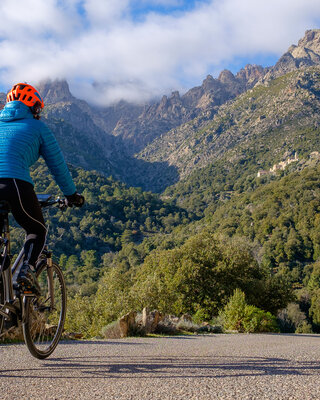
column 250, row 73
column 308, row 48
column 175, row 95
column 226, row 77
column 55, row 91
column 305, row 54
column 311, row 40
column 209, row 84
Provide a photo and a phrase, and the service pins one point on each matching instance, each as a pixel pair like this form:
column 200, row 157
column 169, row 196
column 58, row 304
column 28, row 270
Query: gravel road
column 182, row 367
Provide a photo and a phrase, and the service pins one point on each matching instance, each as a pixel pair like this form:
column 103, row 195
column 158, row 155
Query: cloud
column 94, row 41
column 104, row 14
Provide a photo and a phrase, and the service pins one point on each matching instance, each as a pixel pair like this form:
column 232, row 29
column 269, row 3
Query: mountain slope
column 170, row 112
column 269, row 118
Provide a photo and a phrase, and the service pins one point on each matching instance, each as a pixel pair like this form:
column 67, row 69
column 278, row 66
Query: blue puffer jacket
column 23, row 140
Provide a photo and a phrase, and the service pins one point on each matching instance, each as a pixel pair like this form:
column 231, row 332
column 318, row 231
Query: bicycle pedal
column 26, row 290
column 27, row 293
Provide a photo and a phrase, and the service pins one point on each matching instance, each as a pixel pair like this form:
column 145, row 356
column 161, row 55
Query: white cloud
column 105, row 13
column 89, row 41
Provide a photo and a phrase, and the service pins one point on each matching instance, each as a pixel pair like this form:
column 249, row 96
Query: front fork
column 46, row 257
column 50, row 279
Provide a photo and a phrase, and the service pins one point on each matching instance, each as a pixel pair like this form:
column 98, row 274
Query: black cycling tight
column 27, row 212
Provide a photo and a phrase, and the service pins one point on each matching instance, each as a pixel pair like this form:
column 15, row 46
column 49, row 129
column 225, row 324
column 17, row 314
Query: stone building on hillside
column 278, row 167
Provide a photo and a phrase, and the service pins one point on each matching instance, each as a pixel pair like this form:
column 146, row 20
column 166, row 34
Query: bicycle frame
column 9, row 272
column 41, row 316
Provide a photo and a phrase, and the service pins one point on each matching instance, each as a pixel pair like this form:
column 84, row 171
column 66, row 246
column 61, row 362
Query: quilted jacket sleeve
column 50, row 151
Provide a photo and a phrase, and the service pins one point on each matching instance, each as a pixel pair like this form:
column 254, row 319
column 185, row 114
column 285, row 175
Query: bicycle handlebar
column 47, row 201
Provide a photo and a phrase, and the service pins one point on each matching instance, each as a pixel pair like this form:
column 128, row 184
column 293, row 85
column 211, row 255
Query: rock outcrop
column 305, row 54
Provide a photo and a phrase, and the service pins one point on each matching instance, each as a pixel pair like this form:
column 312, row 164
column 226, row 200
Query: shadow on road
column 126, row 367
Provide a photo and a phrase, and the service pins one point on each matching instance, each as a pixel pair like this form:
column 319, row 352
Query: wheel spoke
column 44, row 324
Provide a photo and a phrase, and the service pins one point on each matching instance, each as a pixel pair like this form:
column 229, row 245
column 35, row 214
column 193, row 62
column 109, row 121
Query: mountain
column 305, row 54
column 106, row 138
column 135, row 126
column 278, row 109
column 82, row 141
column 158, row 118
column 157, row 144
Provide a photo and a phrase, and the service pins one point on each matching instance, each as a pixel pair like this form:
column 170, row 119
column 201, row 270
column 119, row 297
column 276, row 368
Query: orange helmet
column 25, row 93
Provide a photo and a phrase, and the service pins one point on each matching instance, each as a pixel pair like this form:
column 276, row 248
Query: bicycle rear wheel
column 44, row 316
column 2, row 296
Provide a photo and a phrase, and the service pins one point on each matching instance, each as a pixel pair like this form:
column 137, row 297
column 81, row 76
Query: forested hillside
column 264, row 241
column 128, row 249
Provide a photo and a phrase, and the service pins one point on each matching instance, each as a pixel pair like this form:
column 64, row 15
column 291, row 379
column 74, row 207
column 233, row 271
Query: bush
column 111, row 331
column 187, row 326
column 210, row 329
column 257, row 320
column 200, row 316
column 80, row 316
column 234, row 312
column 304, row 327
column 238, row 315
column 314, row 311
column 292, row 319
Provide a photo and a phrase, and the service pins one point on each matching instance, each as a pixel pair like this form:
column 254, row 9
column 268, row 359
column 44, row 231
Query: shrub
column 304, row 327
column 187, row 326
column 292, row 319
column 257, row 320
column 200, row 316
column 314, row 311
column 199, row 275
column 238, row 315
column 80, row 316
column 234, row 312
column 111, row 331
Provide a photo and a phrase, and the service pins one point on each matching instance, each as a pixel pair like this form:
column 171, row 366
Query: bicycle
column 41, row 317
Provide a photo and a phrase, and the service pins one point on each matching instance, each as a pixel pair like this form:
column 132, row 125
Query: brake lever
column 62, row 204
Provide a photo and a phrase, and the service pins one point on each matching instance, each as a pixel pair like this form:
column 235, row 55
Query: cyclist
column 23, row 139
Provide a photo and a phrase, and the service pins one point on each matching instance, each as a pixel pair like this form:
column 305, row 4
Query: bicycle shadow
column 130, row 367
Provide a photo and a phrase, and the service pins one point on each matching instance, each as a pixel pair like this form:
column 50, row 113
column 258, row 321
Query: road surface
column 182, row 367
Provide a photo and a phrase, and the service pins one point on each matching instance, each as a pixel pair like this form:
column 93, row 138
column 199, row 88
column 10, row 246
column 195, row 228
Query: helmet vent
column 25, row 93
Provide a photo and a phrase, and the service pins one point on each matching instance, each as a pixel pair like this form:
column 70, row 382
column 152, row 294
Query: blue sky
column 139, row 9
column 138, row 49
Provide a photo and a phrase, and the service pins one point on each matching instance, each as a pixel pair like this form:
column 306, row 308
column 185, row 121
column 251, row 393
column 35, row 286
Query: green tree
column 238, row 315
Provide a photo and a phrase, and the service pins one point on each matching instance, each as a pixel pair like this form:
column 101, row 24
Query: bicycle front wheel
column 44, row 316
column 2, row 301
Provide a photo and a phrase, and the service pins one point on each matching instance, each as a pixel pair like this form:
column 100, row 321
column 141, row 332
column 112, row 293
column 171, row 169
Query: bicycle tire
column 43, row 324
column 2, row 297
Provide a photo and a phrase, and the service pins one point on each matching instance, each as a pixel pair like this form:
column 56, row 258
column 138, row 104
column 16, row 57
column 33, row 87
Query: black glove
column 75, row 199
